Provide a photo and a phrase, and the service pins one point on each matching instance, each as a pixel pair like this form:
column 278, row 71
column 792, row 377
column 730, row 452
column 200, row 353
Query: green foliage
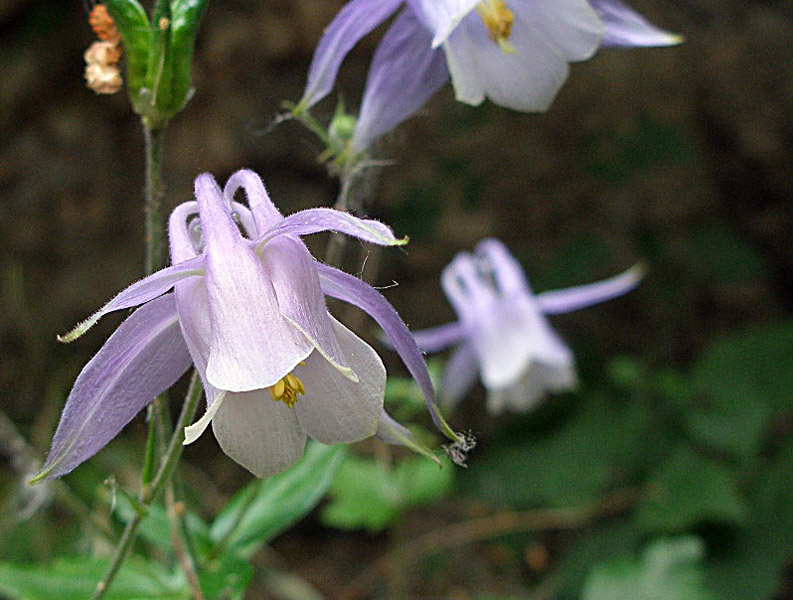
column 76, row 578
column 589, row 452
column 367, row 495
column 155, row 528
column 265, row 508
column 667, row 570
column 744, row 380
column 159, row 54
column 688, row 490
column 748, row 563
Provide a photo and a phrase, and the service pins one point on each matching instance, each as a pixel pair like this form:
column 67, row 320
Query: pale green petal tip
column 78, row 331
column 40, row 476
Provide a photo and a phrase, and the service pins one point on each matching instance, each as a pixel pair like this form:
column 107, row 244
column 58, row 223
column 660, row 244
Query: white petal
column 526, row 79
column 334, row 409
column 512, row 335
column 537, row 381
column 194, row 431
column 261, row 435
column 442, row 16
column 571, row 26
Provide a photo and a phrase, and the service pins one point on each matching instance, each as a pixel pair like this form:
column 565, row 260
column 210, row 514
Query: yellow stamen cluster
column 286, row 390
column 498, row 19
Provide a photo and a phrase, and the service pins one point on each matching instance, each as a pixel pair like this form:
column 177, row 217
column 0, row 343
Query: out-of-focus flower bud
column 103, row 78
column 105, row 53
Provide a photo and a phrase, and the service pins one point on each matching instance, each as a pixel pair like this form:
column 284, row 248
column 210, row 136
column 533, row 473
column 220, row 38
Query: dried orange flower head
column 102, row 24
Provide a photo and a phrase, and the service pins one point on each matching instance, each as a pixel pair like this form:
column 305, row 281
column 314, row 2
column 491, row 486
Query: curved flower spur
column 249, row 312
column 503, row 334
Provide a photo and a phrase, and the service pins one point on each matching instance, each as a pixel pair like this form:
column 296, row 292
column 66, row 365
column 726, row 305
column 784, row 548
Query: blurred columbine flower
column 503, row 334
column 249, row 312
column 515, row 52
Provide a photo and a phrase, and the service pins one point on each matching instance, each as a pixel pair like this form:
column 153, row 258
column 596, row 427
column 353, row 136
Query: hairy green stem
column 155, row 249
column 150, row 493
column 334, row 252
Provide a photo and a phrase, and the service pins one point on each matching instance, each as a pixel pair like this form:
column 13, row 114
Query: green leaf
column 668, row 570
column 745, row 380
column 750, row 563
column 363, row 495
column 571, row 465
column 366, row 495
column 594, row 545
column 155, row 528
column 688, row 490
column 133, row 24
column 76, row 579
column 278, row 502
column 227, row 576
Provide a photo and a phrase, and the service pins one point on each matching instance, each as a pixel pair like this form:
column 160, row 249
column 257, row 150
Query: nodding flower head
column 514, row 52
column 248, row 310
column 502, row 333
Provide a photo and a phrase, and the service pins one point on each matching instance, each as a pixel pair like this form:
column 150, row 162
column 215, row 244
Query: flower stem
column 334, row 252
column 149, row 494
column 154, row 139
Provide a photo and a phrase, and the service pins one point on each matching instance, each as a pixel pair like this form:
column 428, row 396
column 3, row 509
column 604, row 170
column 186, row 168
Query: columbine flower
column 248, row 310
column 515, row 52
column 502, row 333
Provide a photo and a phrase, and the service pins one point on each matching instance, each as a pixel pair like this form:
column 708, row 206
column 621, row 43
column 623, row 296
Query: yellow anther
column 287, row 390
column 498, row 19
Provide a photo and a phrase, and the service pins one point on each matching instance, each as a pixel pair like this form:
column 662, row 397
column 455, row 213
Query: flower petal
column 353, row 22
column 574, row 298
column 572, row 27
column 264, row 211
column 140, row 292
column 335, row 410
column 181, row 240
column 459, row 375
column 252, row 345
column 314, row 220
column 349, row 288
column 143, row 357
column 404, row 74
column 439, row 338
column 261, row 435
column 392, row 432
column 300, row 300
column 532, row 387
column 442, row 16
column 507, row 272
column 625, row 28
column 196, row 430
column 527, row 79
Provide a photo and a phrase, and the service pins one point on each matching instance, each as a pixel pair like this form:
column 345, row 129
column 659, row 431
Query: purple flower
column 502, row 333
column 515, row 52
column 248, row 310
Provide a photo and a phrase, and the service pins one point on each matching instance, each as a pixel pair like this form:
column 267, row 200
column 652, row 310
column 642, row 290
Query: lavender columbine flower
column 249, row 312
column 502, row 333
column 515, row 52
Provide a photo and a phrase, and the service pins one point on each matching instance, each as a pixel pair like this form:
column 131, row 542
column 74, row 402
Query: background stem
column 149, row 494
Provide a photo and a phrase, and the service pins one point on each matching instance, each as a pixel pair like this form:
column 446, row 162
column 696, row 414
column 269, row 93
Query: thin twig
column 180, row 541
column 467, row 532
column 150, row 493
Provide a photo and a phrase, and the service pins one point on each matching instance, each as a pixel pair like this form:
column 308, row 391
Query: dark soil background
column 680, row 157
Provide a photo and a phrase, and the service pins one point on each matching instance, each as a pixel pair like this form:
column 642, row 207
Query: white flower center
column 498, row 19
column 286, row 390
